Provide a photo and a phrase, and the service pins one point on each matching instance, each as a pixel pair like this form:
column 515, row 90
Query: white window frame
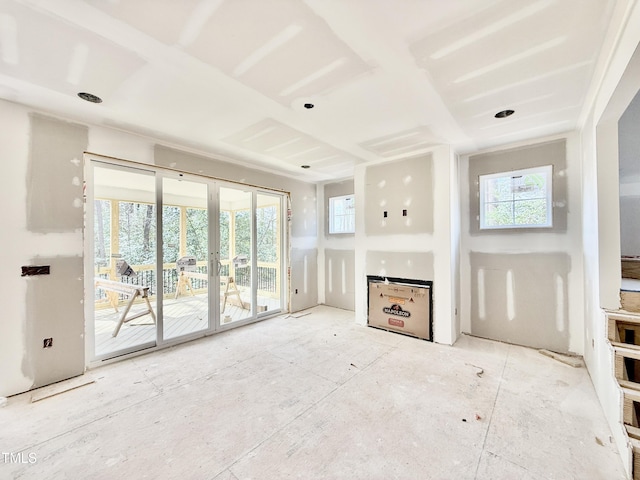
column 333, row 216
column 483, row 179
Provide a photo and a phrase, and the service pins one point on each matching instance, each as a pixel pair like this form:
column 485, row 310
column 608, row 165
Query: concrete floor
column 317, row 397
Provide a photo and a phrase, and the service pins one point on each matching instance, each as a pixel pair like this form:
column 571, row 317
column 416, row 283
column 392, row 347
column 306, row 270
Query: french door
column 172, row 256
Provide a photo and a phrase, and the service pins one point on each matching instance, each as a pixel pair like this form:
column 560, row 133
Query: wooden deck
column 182, row 316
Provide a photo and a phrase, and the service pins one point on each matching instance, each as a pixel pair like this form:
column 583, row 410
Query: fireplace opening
column 401, row 305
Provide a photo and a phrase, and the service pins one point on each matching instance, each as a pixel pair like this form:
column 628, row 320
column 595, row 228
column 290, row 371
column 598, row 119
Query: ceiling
column 387, row 78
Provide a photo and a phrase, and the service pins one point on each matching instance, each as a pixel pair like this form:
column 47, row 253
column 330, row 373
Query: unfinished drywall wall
column 493, row 291
column 35, row 234
column 399, row 197
column 425, row 248
column 304, row 278
column 55, row 175
column 336, row 254
column 54, row 311
column 548, row 153
column 339, row 287
column 521, row 298
column 34, row 306
column 412, row 265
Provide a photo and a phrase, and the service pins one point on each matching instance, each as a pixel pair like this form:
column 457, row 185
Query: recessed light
column 504, row 114
column 89, row 97
column 308, row 105
column 305, row 166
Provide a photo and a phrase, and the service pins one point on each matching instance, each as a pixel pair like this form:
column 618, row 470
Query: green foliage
column 267, row 235
column 197, row 233
column 242, row 241
column 520, row 200
column 225, row 220
column 137, row 233
column 102, row 232
column 170, row 233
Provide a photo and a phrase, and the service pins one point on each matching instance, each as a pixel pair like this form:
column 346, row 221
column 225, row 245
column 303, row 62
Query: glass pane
column 497, row 214
column 530, row 212
column 268, row 212
column 498, row 189
column 235, row 255
column 124, row 260
column 342, row 214
column 533, row 185
column 185, row 252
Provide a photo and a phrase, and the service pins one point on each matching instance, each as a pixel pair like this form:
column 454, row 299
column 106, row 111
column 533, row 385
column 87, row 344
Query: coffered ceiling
column 387, row 78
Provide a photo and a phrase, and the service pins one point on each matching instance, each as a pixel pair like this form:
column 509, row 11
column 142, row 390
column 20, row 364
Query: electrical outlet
column 47, row 343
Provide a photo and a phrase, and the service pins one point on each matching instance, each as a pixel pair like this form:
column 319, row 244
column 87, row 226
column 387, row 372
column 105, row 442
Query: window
column 518, row 199
column 342, row 214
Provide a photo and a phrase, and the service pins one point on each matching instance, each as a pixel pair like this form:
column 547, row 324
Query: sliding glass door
column 185, row 257
column 124, row 260
column 177, row 256
column 269, row 252
column 235, row 254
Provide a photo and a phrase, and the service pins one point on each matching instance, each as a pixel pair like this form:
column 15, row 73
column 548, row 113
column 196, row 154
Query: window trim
column 332, row 201
column 482, row 180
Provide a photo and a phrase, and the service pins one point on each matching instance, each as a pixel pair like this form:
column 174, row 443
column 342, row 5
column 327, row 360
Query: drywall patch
column 340, row 278
column 54, row 186
column 412, row 265
column 520, row 298
column 399, row 197
column 304, row 278
column 54, row 311
column 550, row 153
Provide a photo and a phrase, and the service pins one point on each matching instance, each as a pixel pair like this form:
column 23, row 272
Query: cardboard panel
column 55, row 311
column 400, row 308
column 404, row 190
column 55, row 175
column 340, row 278
column 521, row 298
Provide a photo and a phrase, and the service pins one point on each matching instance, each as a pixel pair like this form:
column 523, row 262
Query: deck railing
column 268, row 278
